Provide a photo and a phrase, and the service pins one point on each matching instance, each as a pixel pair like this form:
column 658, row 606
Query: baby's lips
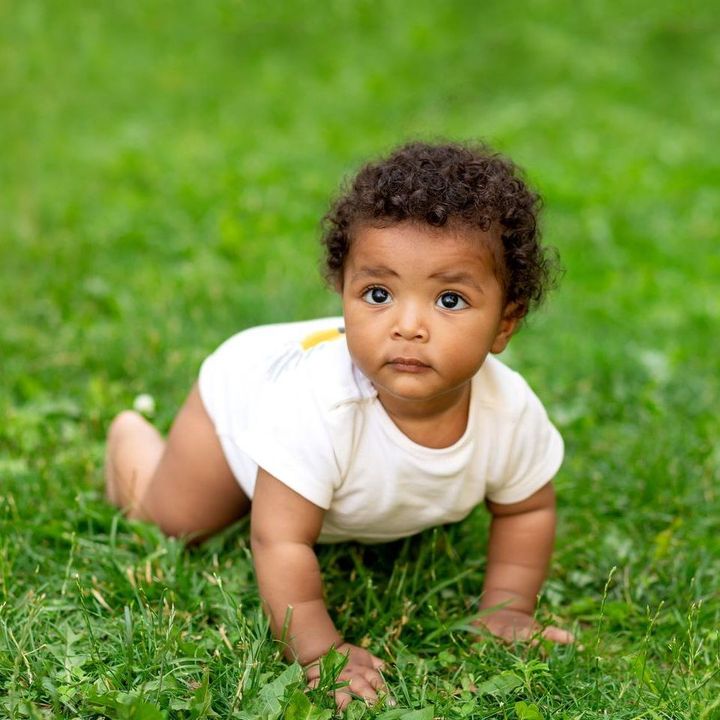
column 408, row 361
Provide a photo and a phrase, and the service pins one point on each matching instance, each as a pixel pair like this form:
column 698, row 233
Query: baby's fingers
column 358, row 687
column 312, row 675
column 557, row 635
column 374, row 679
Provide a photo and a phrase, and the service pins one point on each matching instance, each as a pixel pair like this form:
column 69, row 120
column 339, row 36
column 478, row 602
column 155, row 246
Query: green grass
column 163, row 170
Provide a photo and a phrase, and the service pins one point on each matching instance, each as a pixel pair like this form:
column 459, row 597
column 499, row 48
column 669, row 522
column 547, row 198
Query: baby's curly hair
column 442, row 185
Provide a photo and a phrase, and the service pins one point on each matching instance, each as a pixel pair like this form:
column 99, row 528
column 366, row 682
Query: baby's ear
column 512, row 316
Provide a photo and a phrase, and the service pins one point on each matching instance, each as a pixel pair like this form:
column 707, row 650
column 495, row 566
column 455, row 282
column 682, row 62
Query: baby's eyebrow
column 459, row 277
column 375, row 271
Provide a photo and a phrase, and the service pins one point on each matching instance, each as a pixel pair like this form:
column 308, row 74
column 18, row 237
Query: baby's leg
column 183, row 485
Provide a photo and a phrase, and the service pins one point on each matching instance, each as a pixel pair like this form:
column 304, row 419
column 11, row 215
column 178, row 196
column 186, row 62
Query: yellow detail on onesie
column 321, row 336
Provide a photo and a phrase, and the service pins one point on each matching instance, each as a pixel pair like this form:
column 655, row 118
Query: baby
column 381, row 423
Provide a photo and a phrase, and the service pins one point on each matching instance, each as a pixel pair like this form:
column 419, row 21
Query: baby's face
column 423, row 308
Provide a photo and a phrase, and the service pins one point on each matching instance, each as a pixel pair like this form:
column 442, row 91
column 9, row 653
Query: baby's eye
column 451, row 301
column 376, row 296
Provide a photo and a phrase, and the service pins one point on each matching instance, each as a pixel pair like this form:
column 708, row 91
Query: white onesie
column 288, row 398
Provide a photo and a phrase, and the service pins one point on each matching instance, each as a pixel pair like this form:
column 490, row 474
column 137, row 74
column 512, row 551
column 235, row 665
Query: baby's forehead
column 484, row 244
column 421, row 249
column 453, row 229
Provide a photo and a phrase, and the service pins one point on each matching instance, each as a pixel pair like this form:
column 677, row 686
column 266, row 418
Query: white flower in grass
column 144, row 404
column 656, row 364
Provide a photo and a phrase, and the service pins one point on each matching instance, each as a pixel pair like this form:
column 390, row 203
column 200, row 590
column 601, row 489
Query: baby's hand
column 362, row 672
column 514, row 625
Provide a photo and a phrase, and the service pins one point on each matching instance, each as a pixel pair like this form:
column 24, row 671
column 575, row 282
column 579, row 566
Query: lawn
column 163, row 170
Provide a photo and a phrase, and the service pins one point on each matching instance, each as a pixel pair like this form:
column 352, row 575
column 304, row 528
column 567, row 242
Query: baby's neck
column 435, row 425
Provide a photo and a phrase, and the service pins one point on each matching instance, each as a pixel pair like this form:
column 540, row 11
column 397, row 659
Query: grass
column 164, row 168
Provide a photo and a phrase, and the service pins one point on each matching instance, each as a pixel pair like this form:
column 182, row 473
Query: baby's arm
column 284, row 529
column 519, row 551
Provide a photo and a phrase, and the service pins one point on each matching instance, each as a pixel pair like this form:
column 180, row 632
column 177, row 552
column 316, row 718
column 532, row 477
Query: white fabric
column 312, row 420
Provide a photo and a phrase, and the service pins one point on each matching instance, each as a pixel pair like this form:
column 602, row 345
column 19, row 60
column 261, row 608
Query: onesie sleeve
column 289, row 438
column 533, row 450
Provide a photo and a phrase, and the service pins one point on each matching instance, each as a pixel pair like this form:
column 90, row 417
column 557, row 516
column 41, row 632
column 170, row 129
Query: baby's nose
column 410, row 324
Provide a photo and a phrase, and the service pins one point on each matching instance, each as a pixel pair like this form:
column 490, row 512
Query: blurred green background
column 164, row 168
column 163, row 171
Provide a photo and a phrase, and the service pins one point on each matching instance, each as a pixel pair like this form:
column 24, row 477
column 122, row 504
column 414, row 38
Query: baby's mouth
column 408, row 364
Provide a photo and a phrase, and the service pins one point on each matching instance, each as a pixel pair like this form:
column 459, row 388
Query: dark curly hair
column 443, row 185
